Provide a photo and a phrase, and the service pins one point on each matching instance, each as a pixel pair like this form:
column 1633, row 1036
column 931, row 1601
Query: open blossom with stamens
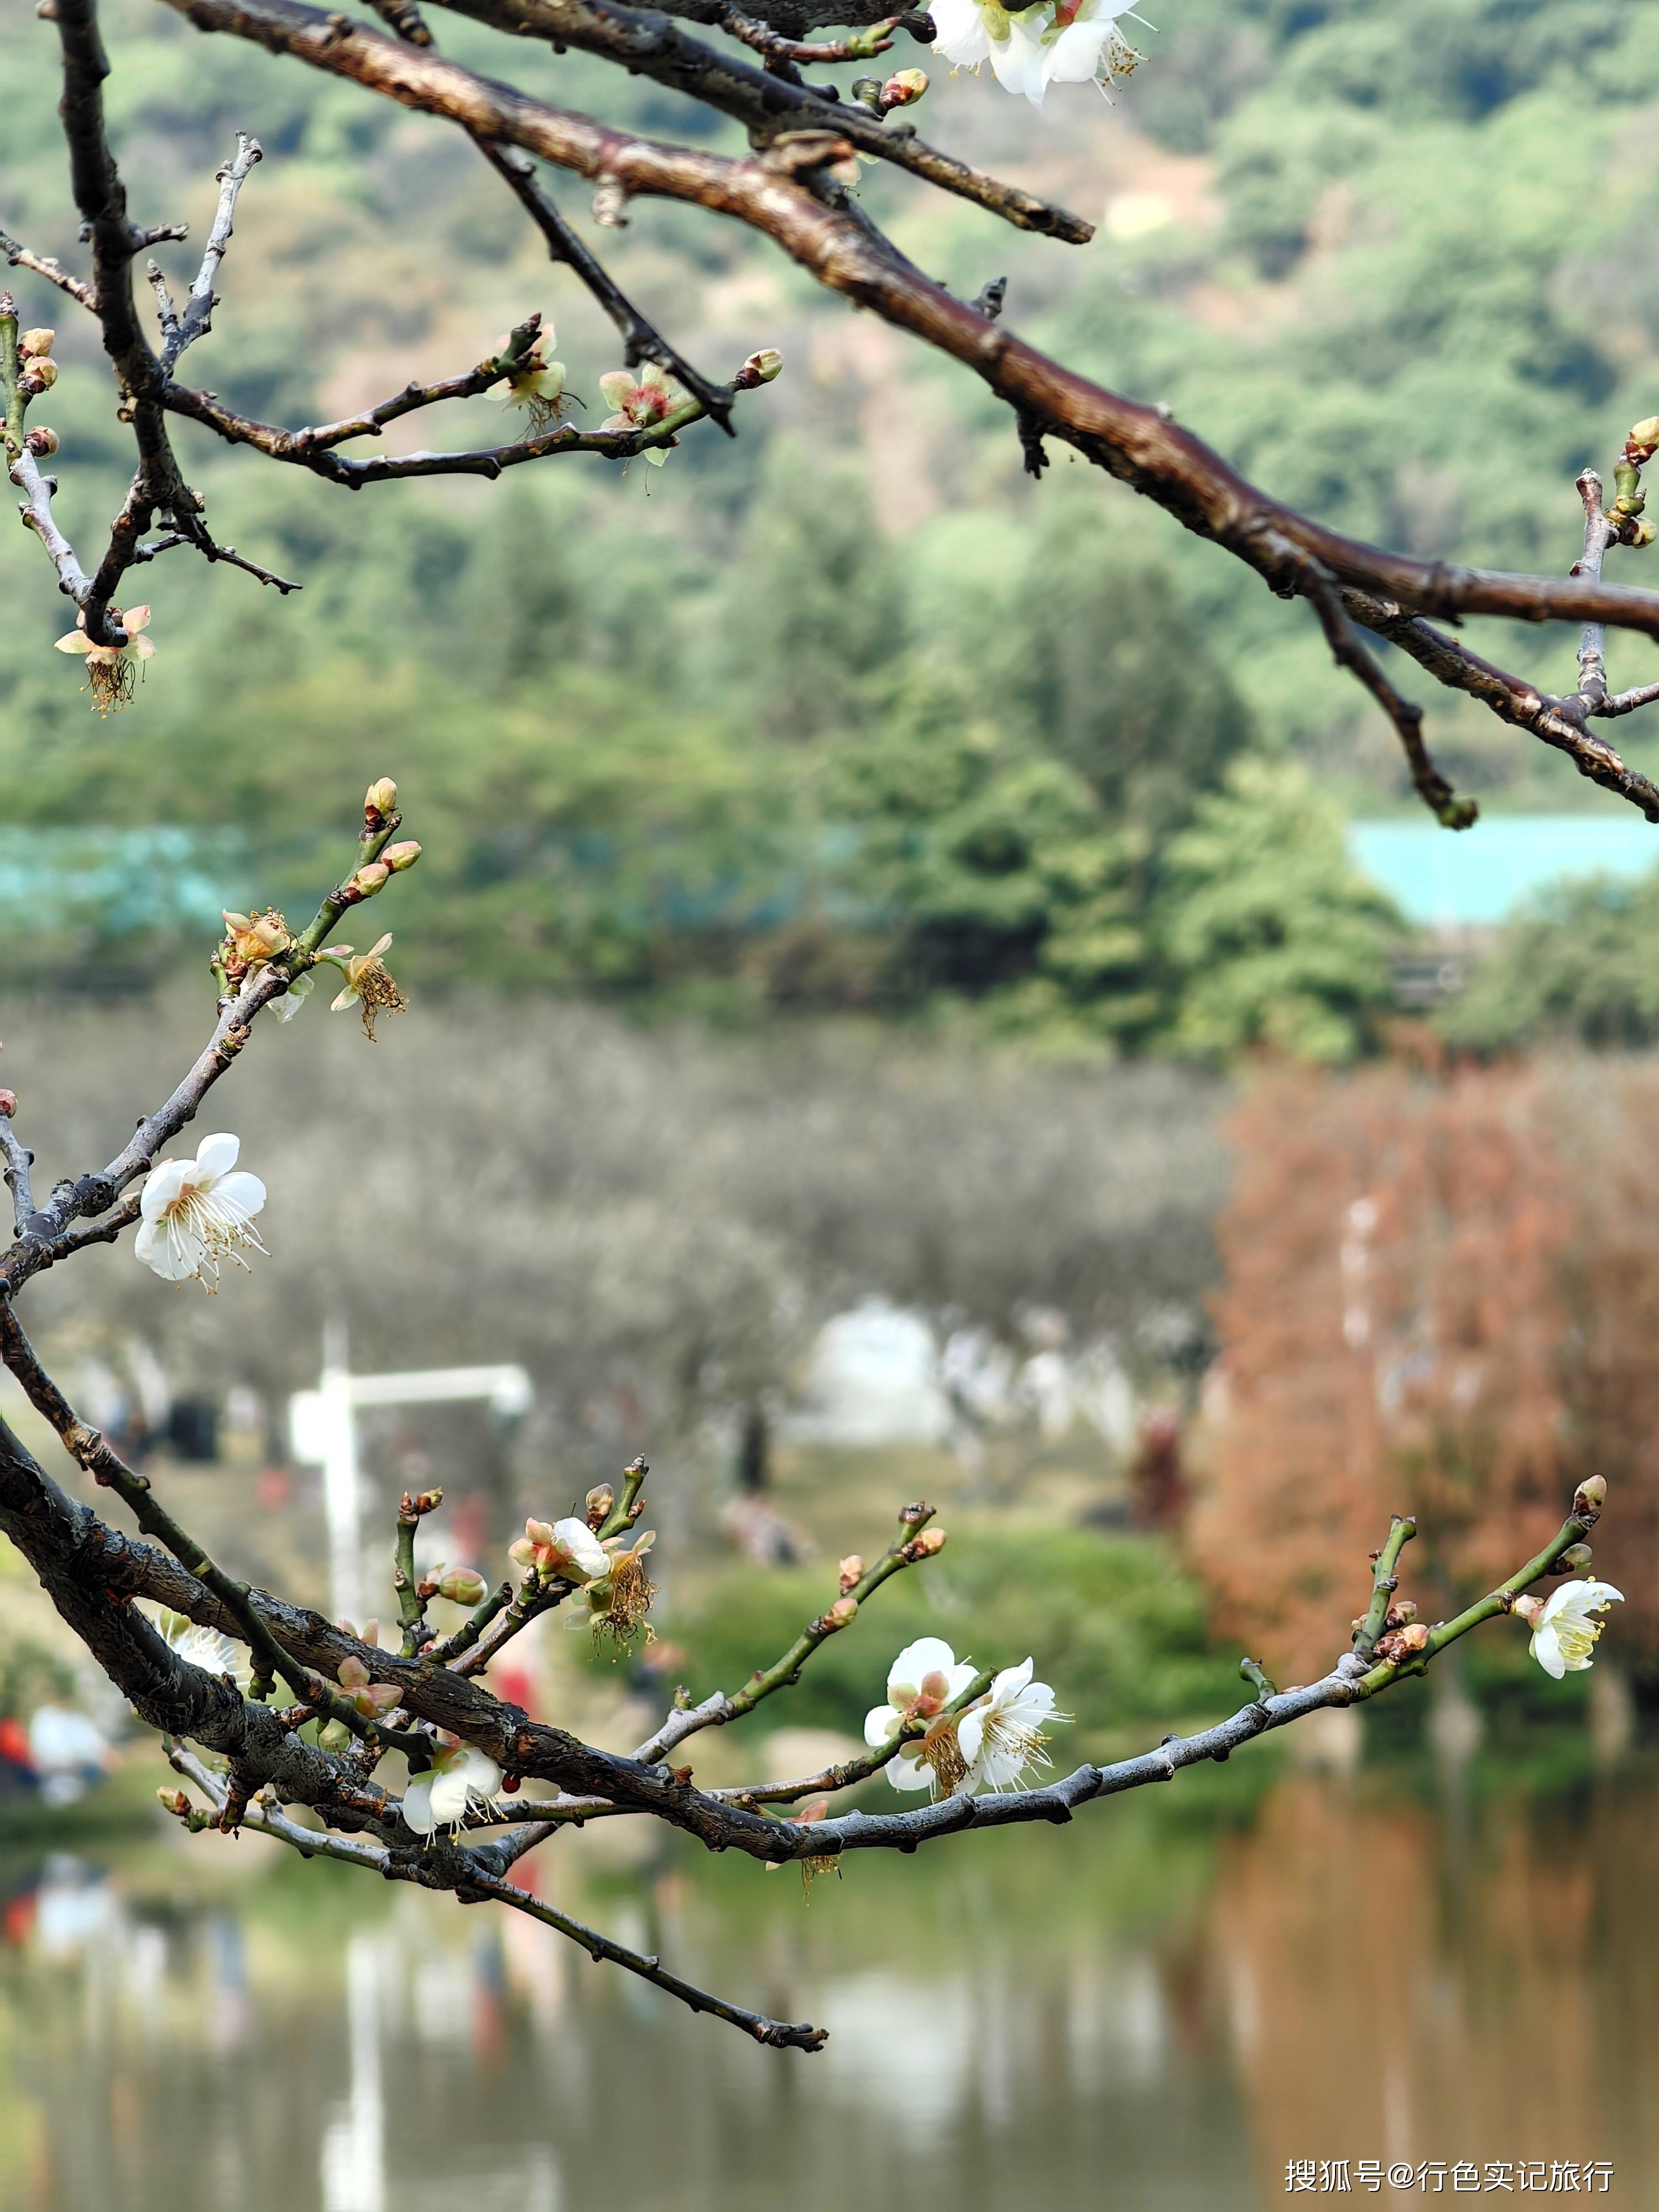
column 110, row 668
column 1003, row 1733
column 369, row 985
column 197, row 1212
column 1563, row 1634
column 616, row 1602
column 256, row 938
column 536, row 384
column 560, row 1550
column 639, row 406
column 1059, row 42
column 922, row 1680
column 462, row 1778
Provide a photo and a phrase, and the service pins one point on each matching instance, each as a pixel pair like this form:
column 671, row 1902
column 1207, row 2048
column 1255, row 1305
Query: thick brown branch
column 1139, row 445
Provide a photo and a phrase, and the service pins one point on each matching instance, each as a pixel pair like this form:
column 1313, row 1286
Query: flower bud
column 41, row 441
column 600, row 1501
column 839, row 1614
column 903, row 86
column 762, row 368
column 35, row 345
column 368, row 880
column 462, row 1586
column 924, row 1546
column 1530, row 1610
column 40, row 375
column 173, row 1800
column 1403, row 1615
column 1638, row 534
column 380, row 797
column 1645, row 437
column 1589, row 1498
column 867, row 90
column 852, row 1571
column 1574, row 1559
column 913, row 1515
column 7, row 1102
column 1414, row 1637
column 335, row 1737
column 400, row 857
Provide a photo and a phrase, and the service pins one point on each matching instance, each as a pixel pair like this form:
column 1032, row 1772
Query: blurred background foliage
column 848, row 712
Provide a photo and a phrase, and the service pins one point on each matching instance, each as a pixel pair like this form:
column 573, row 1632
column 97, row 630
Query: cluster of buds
column 1403, row 1634
column 39, row 369
column 902, row 89
column 1625, row 513
column 371, row 1698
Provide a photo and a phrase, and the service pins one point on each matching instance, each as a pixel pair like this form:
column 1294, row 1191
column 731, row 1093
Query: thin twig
column 1431, row 787
column 42, row 264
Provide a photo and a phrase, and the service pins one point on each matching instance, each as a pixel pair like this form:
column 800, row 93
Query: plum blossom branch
column 183, row 328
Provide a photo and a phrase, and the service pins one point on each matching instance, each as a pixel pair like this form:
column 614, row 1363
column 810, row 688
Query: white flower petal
column 905, row 1772
column 162, row 1185
column 216, row 1156
column 880, row 1725
column 241, row 1195
column 1546, row 1650
column 928, row 1655
column 417, row 1806
column 583, row 1547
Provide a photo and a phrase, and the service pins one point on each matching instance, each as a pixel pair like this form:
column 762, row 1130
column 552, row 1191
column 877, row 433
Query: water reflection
column 1159, row 2009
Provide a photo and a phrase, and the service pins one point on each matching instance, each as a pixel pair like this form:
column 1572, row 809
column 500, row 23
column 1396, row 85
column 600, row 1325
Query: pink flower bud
column 368, row 880
column 7, row 1102
column 462, row 1586
column 839, row 1614
column 173, row 1800
column 851, row 1571
column 903, row 86
column 924, row 1546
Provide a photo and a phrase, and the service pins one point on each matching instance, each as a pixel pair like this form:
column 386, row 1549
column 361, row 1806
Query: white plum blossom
column 204, row 1647
column 638, row 405
column 110, row 667
column 197, row 1212
column 1002, row 1735
column 922, row 1681
column 1058, row 42
column 537, row 385
column 562, row 1550
column 1563, row 1633
column 461, row 1777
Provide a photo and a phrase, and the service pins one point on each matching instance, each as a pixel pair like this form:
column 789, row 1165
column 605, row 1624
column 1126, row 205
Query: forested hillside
column 1048, row 759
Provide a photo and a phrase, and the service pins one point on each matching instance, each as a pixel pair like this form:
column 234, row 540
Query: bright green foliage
column 1278, row 941
column 1583, row 964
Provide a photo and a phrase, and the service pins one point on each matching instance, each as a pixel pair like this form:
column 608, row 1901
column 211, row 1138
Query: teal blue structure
column 1478, row 878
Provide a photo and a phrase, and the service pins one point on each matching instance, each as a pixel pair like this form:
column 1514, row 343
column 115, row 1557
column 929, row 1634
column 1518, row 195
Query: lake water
column 1159, row 2006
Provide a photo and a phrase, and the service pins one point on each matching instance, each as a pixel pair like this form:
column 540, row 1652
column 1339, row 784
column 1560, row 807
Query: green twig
column 1384, row 1583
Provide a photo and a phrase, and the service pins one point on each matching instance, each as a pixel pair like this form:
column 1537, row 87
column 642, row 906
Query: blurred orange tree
column 1441, row 1297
